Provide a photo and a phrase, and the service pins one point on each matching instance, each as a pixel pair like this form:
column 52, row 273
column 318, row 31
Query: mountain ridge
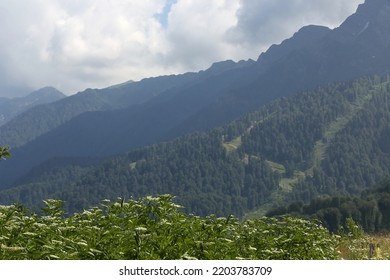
column 12, row 107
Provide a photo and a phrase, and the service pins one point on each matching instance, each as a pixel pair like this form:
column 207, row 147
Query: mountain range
column 12, row 107
column 100, row 123
column 329, row 141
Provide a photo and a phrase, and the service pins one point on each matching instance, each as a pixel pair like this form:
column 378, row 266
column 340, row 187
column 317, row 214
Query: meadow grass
column 351, row 248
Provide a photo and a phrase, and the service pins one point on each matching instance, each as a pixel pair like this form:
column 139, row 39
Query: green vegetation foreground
column 155, row 228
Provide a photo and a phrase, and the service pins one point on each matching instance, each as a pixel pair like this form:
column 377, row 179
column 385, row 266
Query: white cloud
column 78, row 44
column 73, row 44
column 196, row 31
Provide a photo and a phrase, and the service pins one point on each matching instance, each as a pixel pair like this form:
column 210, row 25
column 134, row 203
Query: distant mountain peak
column 47, row 92
column 12, row 107
column 373, row 4
column 219, row 67
column 300, row 39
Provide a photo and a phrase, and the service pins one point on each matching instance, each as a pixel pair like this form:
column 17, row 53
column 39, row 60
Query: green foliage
column 155, row 228
column 4, row 152
column 354, row 229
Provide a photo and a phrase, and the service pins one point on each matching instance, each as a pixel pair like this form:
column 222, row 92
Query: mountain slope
column 41, row 119
column 265, row 159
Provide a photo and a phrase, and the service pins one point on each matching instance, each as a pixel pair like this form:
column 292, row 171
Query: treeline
column 371, row 210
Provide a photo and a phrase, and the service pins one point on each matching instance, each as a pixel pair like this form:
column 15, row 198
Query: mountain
column 11, row 107
column 328, row 141
column 359, row 47
column 159, row 109
column 108, row 121
column 301, row 39
column 41, row 119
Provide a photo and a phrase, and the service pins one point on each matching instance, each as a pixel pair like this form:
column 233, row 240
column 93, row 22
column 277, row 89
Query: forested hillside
column 197, row 167
column 278, row 154
column 371, row 209
column 355, row 150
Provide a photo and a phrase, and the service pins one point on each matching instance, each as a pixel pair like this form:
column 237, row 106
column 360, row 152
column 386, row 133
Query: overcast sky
column 76, row 44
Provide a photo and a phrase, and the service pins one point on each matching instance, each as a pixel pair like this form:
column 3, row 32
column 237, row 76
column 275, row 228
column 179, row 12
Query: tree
column 4, row 152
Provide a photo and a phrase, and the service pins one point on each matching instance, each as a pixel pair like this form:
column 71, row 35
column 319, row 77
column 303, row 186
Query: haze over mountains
column 11, row 107
column 100, row 123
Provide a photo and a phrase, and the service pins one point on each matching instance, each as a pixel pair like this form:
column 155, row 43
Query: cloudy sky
column 76, row 44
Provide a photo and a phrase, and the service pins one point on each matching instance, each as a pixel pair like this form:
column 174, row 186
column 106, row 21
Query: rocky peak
column 372, row 15
column 304, row 36
column 222, row 66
